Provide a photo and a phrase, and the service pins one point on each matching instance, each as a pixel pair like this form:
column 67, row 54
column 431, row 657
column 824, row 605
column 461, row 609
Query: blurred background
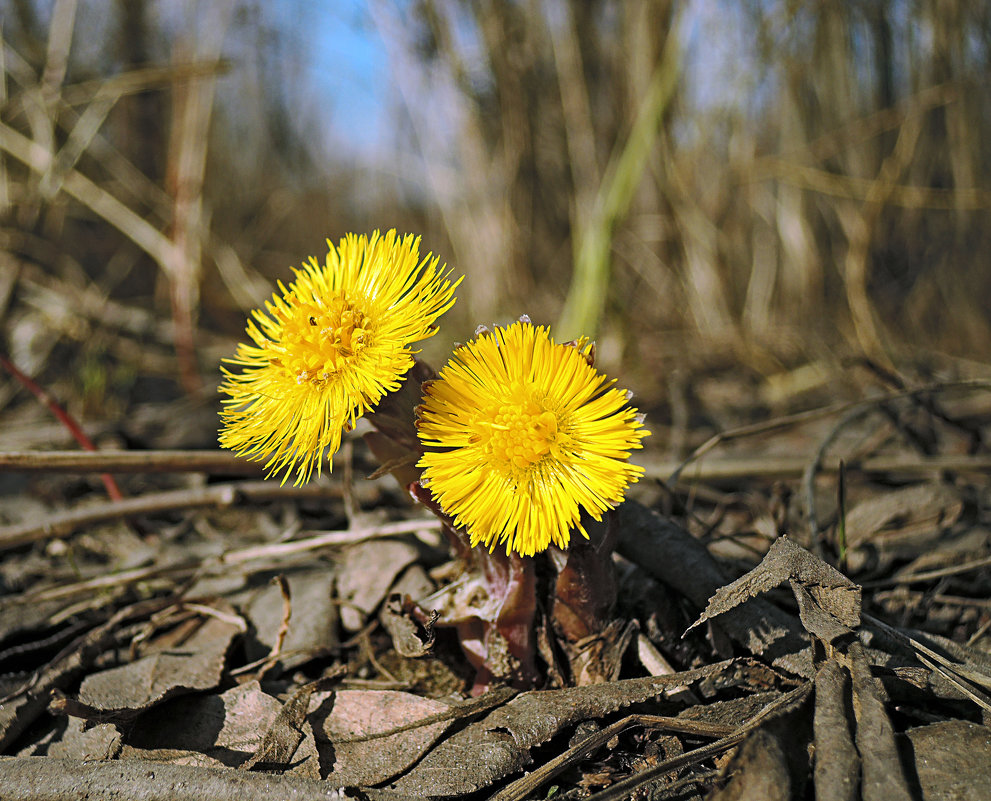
column 767, row 188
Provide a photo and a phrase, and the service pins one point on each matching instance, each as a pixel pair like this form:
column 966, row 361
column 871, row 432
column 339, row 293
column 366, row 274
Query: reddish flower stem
column 64, row 417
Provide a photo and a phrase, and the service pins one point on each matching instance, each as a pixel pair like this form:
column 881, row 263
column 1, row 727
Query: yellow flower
column 521, row 435
column 329, row 348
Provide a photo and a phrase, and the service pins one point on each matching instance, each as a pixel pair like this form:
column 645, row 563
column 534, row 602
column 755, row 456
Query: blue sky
column 347, row 63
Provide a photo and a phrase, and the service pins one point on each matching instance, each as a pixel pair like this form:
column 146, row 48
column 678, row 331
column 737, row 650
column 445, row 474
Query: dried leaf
column 882, row 776
column 284, row 735
column 765, row 767
column 197, row 665
column 786, row 561
column 952, row 760
column 500, row 743
column 228, row 727
column 80, row 741
column 218, row 730
column 312, row 626
column 340, row 716
column 890, row 516
column 900, row 523
column 410, row 627
column 837, row 764
column 365, row 576
column 675, row 558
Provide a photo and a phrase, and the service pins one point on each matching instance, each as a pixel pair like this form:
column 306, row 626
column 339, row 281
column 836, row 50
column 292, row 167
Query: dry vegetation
column 773, row 218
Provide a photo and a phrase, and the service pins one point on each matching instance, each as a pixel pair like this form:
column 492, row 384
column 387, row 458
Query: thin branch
column 269, row 552
column 852, row 188
column 96, row 199
column 107, row 461
column 627, row 787
column 531, row 782
column 785, row 467
column 219, row 496
column 51, row 779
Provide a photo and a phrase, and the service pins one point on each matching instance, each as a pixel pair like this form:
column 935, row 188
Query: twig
column 813, row 467
column 280, row 636
column 929, row 575
column 276, row 550
column 928, row 404
column 64, row 417
column 782, row 705
column 853, row 188
column 785, row 467
column 219, row 496
column 64, row 668
column 107, row 461
column 103, row 204
column 529, row 783
column 327, row 538
column 967, row 678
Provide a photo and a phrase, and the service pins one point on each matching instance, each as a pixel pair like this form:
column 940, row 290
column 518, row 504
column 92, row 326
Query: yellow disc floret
column 328, row 347
column 521, row 435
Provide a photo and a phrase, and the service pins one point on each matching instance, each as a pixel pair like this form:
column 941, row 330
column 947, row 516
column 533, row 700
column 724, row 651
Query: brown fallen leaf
column 288, row 729
column 197, row 664
column 500, row 743
column 30, row 698
column 837, row 764
column 678, row 560
column 227, row 727
column 900, row 523
column 312, row 625
column 952, row 760
column 81, row 741
column 341, row 717
column 410, row 627
column 771, row 764
column 785, row 561
column 882, row 775
column 366, row 573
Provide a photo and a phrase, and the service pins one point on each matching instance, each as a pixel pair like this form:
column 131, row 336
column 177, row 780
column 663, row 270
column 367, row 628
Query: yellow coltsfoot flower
column 328, row 348
column 521, row 435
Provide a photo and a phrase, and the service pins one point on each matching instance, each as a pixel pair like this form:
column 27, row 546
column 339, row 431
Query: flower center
column 519, row 434
column 320, row 337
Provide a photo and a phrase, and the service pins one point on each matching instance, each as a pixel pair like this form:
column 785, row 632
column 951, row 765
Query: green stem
column 582, row 313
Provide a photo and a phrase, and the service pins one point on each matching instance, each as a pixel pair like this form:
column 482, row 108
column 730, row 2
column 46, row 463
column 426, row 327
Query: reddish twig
column 64, row 417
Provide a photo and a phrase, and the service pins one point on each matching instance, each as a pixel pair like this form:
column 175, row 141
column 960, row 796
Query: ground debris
column 345, row 722
column 170, row 666
column 52, row 779
column 500, row 743
column 248, row 645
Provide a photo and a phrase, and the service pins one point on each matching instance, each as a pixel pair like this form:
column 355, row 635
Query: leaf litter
column 749, row 659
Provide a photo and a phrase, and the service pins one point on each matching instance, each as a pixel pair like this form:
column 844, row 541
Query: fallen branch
column 529, row 783
column 218, row 496
column 50, row 779
column 627, row 787
column 217, row 462
column 213, row 462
